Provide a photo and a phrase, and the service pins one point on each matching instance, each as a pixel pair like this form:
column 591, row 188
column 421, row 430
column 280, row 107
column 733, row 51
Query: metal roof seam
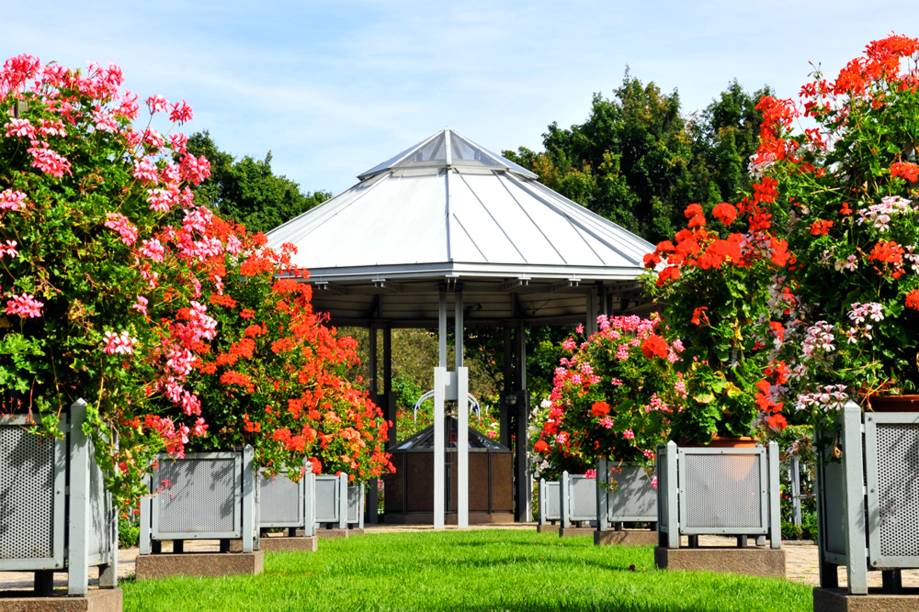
column 492, row 217
column 533, row 221
column 471, row 239
column 594, row 234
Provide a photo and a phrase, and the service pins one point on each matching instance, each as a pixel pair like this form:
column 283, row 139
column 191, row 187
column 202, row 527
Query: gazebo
column 446, row 227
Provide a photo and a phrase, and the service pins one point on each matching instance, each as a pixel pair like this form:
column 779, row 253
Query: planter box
column 203, row 496
column 629, row 499
column 868, row 500
column 717, row 491
column 338, row 503
column 288, row 504
column 56, row 513
column 550, row 509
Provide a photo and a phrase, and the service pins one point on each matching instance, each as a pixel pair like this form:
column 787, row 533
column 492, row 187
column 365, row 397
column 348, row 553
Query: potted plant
column 611, row 404
column 275, row 379
column 93, row 280
column 721, row 286
column 850, row 182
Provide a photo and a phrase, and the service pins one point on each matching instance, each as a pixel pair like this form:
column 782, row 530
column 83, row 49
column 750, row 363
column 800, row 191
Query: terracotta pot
column 738, row 442
column 894, row 403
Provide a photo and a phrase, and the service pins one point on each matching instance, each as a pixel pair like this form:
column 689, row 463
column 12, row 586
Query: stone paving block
column 749, row 561
column 199, row 564
column 626, row 537
column 837, row 600
column 288, row 544
column 96, row 600
column 566, row 532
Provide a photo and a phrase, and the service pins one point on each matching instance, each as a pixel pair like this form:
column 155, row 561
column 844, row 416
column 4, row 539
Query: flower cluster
column 613, row 396
column 118, row 289
column 723, row 288
column 858, row 279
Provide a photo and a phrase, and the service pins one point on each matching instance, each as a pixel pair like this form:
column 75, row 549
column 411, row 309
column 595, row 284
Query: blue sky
column 332, row 88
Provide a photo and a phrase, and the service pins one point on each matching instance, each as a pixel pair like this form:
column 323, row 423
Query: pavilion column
column 389, row 400
column 372, row 498
column 504, row 435
column 440, row 392
column 522, row 479
column 462, row 416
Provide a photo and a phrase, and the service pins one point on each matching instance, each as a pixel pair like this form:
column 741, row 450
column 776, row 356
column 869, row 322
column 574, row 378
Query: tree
column 247, row 190
column 637, row 161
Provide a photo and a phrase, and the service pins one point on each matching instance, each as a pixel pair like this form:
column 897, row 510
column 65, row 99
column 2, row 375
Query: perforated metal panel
column 832, row 494
column 31, row 498
column 101, row 515
column 355, row 507
column 203, row 497
column 281, row 502
column 553, row 508
column 892, row 470
column 326, row 499
column 633, row 498
column 582, row 495
column 723, row 491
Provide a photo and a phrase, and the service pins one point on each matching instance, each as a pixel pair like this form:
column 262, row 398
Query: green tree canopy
column 247, row 190
column 638, row 161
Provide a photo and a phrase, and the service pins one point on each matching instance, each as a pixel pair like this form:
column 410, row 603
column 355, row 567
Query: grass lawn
column 478, row 570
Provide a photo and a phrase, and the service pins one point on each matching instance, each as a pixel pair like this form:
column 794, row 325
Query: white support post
column 602, row 495
column 775, row 521
column 462, row 447
column 564, row 500
column 77, row 551
column 673, row 497
column 309, row 502
column 462, row 417
column 146, row 516
column 541, row 519
column 249, row 525
column 342, row 501
column 440, row 397
column 440, row 392
column 854, row 502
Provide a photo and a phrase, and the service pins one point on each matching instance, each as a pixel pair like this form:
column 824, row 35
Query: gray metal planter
column 573, row 498
column 56, row 513
column 203, row 496
column 337, row 503
column 624, row 495
column 868, row 500
column 284, row 503
column 631, row 500
column 718, row 491
column 550, row 509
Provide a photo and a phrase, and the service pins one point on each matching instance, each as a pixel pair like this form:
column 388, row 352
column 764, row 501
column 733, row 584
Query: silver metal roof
column 448, row 209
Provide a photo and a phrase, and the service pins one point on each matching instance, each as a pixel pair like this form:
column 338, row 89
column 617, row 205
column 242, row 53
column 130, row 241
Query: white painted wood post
column 462, row 419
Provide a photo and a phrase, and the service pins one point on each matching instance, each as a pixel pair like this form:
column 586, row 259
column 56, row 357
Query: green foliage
column 247, row 190
column 469, row 570
column 128, row 532
column 637, row 161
